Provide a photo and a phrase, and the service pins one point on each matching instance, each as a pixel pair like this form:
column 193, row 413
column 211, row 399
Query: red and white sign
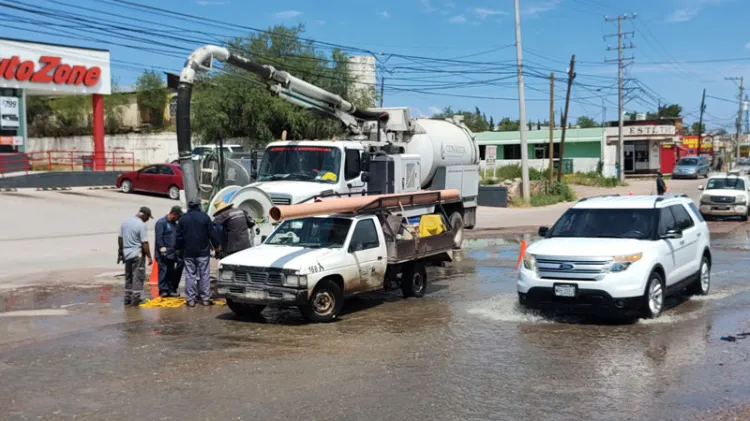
column 51, row 69
column 11, row 140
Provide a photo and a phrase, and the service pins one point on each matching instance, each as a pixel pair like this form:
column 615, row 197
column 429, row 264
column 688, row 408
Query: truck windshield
column 606, row 223
column 312, row 233
column 730, row 183
column 304, row 163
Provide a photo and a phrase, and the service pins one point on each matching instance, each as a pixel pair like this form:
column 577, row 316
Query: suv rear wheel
column 654, row 296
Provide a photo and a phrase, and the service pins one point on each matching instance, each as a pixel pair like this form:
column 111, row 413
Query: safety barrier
column 13, row 163
column 80, row 161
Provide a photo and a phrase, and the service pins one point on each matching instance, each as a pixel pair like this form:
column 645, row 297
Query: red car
column 161, row 178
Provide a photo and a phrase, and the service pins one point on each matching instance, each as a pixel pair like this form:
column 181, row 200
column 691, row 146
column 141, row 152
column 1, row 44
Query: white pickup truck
column 315, row 262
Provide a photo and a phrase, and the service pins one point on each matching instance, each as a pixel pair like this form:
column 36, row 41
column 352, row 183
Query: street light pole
column 525, row 187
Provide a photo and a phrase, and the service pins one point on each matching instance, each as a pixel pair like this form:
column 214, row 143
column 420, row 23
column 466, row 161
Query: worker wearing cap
column 235, row 223
column 134, row 249
column 196, row 237
column 170, row 267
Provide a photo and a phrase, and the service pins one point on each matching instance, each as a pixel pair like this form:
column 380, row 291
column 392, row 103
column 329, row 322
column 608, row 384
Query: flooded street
column 464, row 352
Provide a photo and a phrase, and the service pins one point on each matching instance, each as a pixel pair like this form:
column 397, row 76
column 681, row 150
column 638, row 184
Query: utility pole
column 747, row 116
column 739, row 116
column 620, row 66
column 604, row 113
column 571, row 76
column 382, row 90
column 525, row 187
column 700, row 123
column 551, row 124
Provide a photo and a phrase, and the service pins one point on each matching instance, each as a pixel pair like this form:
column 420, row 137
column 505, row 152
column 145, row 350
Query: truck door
column 353, row 171
column 368, row 250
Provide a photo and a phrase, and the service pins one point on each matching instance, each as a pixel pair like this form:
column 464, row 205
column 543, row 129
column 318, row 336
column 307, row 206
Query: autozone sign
column 49, row 69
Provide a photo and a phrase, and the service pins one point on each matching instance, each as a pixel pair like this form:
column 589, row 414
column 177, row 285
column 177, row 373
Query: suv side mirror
column 700, row 187
column 672, row 234
column 543, row 231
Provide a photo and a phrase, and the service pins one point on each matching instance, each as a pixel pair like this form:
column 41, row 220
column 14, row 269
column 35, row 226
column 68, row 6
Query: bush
column 549, row 194
column 591, row 178
column 510, row 172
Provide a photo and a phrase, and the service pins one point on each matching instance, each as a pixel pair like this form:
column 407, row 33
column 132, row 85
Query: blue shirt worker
column 196, row 237
column 134, row 249
column 170, row 267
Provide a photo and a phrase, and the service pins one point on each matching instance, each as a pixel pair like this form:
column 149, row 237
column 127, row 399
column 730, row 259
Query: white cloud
column 287, row 14
column 427, row 6
column 385, row 14
column 747, row 45
column 319, row 22
column 458, row 19
column 485, row 13
column 683, row 15
column 434, row 110
column 540, row 7
column 205, row 3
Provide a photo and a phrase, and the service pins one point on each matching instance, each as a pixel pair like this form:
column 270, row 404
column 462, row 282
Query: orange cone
column 154, row 279
column 631, row 193
column 521, row 252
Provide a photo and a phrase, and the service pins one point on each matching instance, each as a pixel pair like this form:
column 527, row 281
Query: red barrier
column 10, row 163
column 80, row 161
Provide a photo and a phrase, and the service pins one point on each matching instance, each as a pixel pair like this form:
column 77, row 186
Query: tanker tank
column 443, row 144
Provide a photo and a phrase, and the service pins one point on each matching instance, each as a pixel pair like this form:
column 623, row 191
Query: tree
column 492, row 124
column 153, row 96
column 475, row 121
column 227, row 106
column 668, row 112
column 697, row 128
column 586, row 122
column 508, row 125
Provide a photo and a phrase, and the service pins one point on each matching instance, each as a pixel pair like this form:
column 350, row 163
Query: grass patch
column 549, row 194
column 592, row 179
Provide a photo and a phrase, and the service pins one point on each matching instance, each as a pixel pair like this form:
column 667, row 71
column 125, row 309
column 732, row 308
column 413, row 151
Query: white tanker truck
column 386, row 151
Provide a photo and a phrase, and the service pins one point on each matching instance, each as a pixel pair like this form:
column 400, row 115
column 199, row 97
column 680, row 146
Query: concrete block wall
column 147, row 148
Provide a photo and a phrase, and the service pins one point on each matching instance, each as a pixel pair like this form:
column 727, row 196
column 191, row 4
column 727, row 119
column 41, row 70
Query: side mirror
column 543, row 231
column 700, row 187
column 365, row 177
column 672, row 234
column 366, row 161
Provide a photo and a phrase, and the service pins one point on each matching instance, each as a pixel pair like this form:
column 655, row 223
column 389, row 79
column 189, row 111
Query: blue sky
column 669, row 35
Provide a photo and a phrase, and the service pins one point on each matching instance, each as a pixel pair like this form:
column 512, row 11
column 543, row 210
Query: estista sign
column 44, row 68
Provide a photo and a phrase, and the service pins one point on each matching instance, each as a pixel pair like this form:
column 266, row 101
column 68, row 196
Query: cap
column 145, row 211
column 194, row 203
column 177, row 210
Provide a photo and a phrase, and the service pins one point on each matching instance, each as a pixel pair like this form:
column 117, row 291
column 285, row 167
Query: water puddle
column 46, row 298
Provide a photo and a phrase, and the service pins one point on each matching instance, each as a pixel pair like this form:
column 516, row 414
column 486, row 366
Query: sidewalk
column 525, row 219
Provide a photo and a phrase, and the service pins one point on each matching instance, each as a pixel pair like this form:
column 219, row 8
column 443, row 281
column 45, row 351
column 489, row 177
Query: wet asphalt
column 463, row 352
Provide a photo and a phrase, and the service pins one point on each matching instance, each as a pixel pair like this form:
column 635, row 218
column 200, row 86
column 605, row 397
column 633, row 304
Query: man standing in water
column 133, row 248
column 196, row 237
column 170, row 267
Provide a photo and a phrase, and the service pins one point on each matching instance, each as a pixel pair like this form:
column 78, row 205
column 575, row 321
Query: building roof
column 540, row 136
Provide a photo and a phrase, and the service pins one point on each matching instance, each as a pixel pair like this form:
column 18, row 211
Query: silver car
column 692, row 167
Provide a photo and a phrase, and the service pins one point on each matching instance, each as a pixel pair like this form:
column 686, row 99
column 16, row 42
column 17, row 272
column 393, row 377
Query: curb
column 52, row 188
column 102, row 188
column 8, row 189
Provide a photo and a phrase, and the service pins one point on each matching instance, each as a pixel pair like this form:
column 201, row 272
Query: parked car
column 622, row 255
column 726, row 195
column 161, row 178
column 692, row 167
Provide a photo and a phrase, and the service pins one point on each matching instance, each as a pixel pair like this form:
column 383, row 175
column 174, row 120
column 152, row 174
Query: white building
column 643, row 145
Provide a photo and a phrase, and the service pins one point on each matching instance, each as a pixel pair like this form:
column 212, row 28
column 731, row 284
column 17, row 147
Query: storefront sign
column 9, row 115
column 11, row 140
column 49, row 69
column 692, row 142
column 649, row 131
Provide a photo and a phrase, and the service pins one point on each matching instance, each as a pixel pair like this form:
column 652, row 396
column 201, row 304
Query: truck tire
column 245, row 310
column 325, row 303
column 414, row 281
column 457, row 223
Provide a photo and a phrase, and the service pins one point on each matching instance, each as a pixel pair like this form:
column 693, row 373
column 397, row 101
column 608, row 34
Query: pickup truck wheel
column 654, row 296
column 703, row 279
column 325, row 304
column 414, row 281
column 245, row 310
column 457, row 223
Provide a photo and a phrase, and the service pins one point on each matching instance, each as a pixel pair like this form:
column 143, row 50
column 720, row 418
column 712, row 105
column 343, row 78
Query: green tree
column 585, row 122
column 228, row 106
column 476, row 121
column 668, row 112
column 697, row 128
column 492, row 124
column 153, row 96
column 508, row 125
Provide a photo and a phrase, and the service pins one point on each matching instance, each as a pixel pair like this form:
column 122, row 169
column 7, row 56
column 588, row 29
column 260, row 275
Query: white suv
column 726, row 195
column 618, row 254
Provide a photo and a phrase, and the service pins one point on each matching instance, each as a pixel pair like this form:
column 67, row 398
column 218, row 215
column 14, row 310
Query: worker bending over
column 236, row 224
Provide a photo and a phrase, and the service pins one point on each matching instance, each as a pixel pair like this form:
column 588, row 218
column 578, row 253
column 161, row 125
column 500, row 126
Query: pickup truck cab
column 726, row 195
column 315, row 262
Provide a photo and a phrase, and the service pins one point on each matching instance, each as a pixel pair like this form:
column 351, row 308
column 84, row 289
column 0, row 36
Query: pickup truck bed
column 401, row 251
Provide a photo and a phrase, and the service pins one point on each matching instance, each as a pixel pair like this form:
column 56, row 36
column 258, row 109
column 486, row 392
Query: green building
column 582, row 146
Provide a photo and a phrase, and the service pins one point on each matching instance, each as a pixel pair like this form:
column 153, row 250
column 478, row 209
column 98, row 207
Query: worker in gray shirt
column 134, row 249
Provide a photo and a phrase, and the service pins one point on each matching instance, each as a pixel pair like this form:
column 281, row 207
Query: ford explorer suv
column 621, row 255
column 726, row 195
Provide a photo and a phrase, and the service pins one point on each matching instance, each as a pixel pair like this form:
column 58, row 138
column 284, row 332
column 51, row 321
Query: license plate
column 566, row 290
column 721, row 208
column 256, row 295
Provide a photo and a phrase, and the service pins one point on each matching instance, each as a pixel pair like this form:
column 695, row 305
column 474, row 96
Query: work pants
column 170, row 272
column 135, row 273
column 197, row 274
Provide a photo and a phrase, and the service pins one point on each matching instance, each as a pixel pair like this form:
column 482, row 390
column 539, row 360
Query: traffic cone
column 631, row 193
column 521, row 252
column 154, row 279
